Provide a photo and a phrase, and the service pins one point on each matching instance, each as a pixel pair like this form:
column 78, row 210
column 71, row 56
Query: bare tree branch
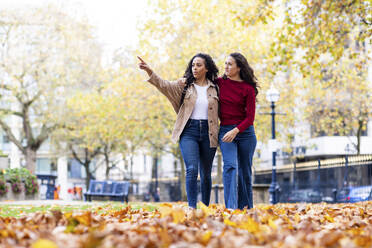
column 44, row 133
column 5, row 87
column 74, row 154
column 11, row 136
column 10, row 112
column 36, row 96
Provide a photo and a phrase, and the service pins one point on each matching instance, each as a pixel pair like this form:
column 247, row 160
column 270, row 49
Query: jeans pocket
column 226, row 128
column 250, row 130
column 248, row 133
column 188, row 124
column 223, row 131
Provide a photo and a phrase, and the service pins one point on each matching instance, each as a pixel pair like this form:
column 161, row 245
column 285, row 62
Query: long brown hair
column 211, row 73
column 246, row 72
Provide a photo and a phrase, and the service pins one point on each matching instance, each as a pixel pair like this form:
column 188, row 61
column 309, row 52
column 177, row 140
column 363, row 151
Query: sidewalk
column 49, row 202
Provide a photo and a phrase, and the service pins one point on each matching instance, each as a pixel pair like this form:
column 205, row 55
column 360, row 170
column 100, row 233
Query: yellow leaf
column 297, row 218
column 4, row 233
column 166, row 204
column 44, row 243
column 206, row 237
column 329, row 218
column 84, row 219
column 165, row 211
column 230, row 223
column 68, row 215
column 272, row 224
column 207, row 211
column 237, row 211
column 250, row 225
column 361, row 212
column 178, row 216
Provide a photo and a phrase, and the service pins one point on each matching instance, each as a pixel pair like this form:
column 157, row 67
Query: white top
column 200, row 111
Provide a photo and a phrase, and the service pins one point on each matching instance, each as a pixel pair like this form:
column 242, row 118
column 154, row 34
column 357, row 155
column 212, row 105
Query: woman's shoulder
column 221, row 80
column 249, row 88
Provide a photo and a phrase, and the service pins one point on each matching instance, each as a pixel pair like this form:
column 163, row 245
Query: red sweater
column 237, row 103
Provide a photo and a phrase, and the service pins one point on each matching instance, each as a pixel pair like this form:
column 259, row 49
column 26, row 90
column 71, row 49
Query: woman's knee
column 247, row 180
column 206, row 177
column 230, row 165
column 192, row 171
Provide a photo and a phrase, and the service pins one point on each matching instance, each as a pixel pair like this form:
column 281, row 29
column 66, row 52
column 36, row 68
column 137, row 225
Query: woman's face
column 231, row 68
column 198, row 68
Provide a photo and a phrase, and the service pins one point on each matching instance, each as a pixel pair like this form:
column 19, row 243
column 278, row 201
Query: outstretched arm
column 172, row 90
column 144, row 66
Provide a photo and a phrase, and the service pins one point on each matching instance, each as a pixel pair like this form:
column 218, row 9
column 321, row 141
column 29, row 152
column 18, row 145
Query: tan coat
column 173, row 91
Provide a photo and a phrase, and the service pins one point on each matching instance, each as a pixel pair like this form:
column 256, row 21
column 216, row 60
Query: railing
column 324, row 163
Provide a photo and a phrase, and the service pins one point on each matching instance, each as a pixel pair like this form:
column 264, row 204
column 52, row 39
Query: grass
column 14, row 210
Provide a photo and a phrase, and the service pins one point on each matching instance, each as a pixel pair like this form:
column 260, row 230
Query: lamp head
column 272, row 95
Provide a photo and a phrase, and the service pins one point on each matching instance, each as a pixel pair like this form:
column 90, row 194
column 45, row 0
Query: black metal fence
column 313, row 181
column 321, row 180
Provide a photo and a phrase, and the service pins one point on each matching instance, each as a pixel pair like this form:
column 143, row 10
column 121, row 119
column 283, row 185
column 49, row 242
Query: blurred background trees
column 55, row 86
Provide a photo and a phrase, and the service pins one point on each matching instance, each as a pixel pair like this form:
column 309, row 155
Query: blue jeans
column 238, row 155
column 197, row 153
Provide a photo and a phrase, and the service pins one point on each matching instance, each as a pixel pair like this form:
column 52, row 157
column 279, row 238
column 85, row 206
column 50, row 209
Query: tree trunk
column 87, row 172
column 107, row 162
column 359, row 134
column 30, row 160
column 154, row 171
column 131, row 167
column 219, row 167
column 175, row 167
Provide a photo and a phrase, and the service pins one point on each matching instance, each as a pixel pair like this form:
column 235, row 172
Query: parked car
column 343, row 194
column 355, row 194
column 328, row 199
column 305, row 195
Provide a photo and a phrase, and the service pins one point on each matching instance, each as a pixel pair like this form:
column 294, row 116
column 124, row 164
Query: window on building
column 4, row 142
column 6, row 139
column 77, row 170
column 43, row 166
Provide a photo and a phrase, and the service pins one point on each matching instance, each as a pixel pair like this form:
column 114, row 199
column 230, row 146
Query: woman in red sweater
column 238, row 90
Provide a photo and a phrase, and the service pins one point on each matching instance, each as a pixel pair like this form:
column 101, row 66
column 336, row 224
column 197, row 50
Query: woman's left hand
column 230, row 135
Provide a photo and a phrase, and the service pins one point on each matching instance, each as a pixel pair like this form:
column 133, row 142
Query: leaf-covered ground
column 175, row 225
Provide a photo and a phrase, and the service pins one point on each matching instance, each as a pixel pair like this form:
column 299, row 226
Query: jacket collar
column 209, row 83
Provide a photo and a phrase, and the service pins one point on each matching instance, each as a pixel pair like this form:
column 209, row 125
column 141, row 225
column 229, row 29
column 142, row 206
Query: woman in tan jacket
column 195, row 100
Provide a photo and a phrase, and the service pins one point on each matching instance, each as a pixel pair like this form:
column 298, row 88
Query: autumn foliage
column 175, row 225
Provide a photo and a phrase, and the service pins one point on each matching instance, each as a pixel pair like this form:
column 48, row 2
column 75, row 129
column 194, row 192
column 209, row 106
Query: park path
column 48, row 202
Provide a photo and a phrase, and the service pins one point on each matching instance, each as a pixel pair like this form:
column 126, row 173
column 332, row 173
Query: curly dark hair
column 246, row 72
column 211, row 73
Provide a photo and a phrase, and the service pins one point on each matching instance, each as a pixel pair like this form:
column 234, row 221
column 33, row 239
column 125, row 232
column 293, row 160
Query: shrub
column 31, row 185
column 30, row 180
column 15, row 180
column 17, row 175
column 3, row 186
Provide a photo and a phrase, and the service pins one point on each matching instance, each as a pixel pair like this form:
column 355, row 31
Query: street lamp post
column 272, row 95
